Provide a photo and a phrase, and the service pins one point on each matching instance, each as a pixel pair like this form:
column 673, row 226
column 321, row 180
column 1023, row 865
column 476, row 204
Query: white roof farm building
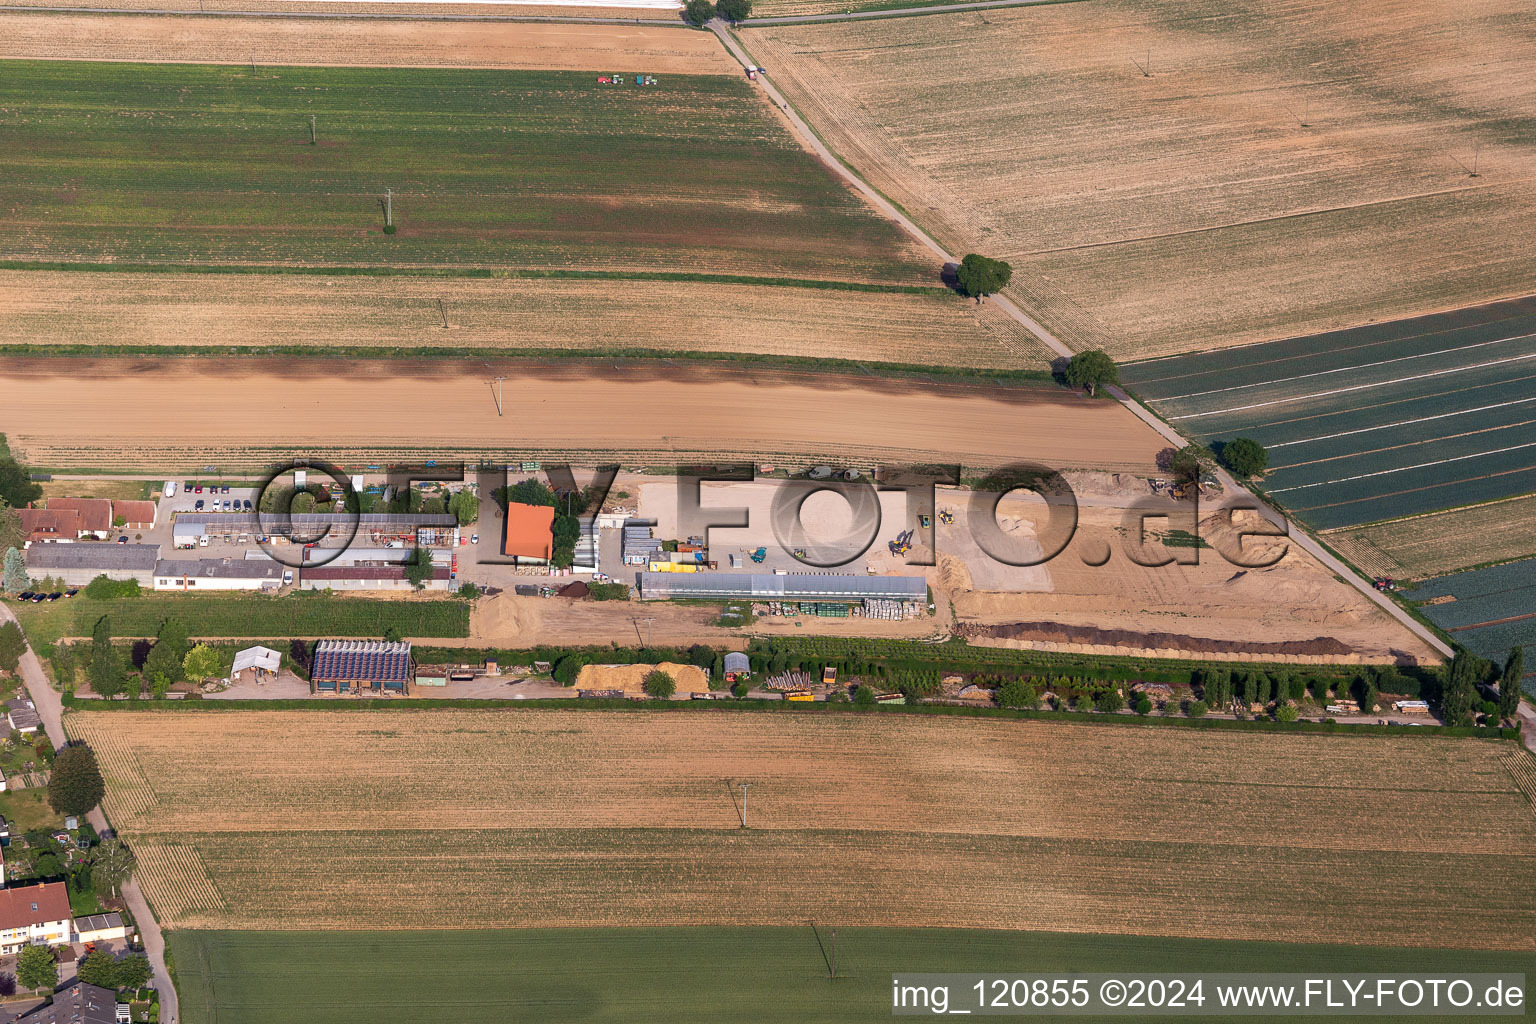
column 257, row 663
column 218, row 574
column 78, row 564
column 756, row 586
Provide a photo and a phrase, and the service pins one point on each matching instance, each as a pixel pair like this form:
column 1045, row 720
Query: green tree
column 16, row 486
column 99, row 968
column 979, row 276
column 1244, row 456
column 75, row 785
column 1143, row 706
column 740, row 688
column 111, row 867
column 36, row 968
column 697, row 12
column 15, row 580
column 202, row 662
column 1460, row 689
column 1109, row 701
column 1017, row 694
column 418, row 567
column 106, row 668
column 47, row 865
column 133, row 971
column 1198, row 708
column 12, row 535
column 1286, row 713
column 1509, row 683
column 658, row 684
column 163, row 666
column 734, row 11
column 1365, row 693
column 1190, row 461
column 1090, row 369
column 865, row 696
column 12, row 646
column 464, row 506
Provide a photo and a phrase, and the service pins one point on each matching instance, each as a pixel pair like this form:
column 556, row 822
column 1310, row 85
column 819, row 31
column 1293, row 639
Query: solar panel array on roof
column 366, row 661
column 788, row 587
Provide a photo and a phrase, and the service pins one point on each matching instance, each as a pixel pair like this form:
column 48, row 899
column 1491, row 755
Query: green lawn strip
column 705, row 974
column 301, row 615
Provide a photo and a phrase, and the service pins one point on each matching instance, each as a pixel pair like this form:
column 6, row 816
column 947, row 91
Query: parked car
column 123, row 539
column 38, row 598
column 25, row 595
column 55, row 596
column 247, row 504
column 199, row 506
column 199, row 489
column 186, row 487
column 72, row 591
column 287, row 576
column 474, row 538
column 224, row 489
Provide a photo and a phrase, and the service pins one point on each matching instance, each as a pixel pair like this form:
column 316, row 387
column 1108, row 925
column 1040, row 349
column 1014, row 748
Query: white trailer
column 170, row 489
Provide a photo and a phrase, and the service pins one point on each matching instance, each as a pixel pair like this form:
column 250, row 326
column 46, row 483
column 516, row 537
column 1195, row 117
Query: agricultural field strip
column 1438, row 543
column 565, row 818
column 541, row 170
column 1451, row 441
column 340, row 41
column 1491, row 612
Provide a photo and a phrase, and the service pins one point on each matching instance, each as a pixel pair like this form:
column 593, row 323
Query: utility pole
column 444, row 311
column 494, row 382
column 311, row 129
column 834, row 954
column 389, row 208
column 744, row 787
column 1475, row 154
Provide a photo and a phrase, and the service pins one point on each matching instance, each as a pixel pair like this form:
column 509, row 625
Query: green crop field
column 711, row 975
column 124, row 164
column 246, row 615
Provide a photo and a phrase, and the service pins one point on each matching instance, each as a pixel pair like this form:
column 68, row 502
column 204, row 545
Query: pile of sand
column 629, row 678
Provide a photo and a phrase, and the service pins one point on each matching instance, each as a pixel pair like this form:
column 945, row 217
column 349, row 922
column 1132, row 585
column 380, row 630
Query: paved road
column 900, row 12
column 1237, row 490
column 51, row 710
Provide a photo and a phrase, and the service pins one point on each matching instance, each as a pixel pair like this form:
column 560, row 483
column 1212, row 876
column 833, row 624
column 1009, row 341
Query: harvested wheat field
column 341, row 42
column 156, row 412
column 522, row 819
column 646, row 13
column 123, row 310
column 1444, row 542
column 1286, row 168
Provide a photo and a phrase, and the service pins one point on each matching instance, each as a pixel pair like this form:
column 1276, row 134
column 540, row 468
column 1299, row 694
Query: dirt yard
column 190, row 413
column 70, row 308
column 341, row 42
column 567, row 818
column 1211, row 609
column 1282, row 169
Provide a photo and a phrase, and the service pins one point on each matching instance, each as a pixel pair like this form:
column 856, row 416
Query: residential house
column 50, row 526
column 95, row 515
column 78, row 1004
column 35, row 915
column 135, row 515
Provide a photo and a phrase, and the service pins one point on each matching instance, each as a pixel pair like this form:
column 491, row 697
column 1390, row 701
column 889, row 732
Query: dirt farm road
column 51, row 710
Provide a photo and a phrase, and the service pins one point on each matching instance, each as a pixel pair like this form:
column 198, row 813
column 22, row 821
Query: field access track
column 1374, row 422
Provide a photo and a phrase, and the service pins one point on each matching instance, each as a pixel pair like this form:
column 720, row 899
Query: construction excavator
column 903, row 543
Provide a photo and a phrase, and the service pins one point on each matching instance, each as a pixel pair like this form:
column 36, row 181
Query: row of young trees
column 171, row 659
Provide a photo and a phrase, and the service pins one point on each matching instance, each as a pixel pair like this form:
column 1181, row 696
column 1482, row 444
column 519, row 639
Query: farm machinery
column 758, row 555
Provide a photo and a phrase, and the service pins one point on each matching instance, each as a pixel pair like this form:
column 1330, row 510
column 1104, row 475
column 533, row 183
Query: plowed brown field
column 46, row 308
column 473, row 819
column 185, row 413
column 1288, row 167
column 340, row 42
